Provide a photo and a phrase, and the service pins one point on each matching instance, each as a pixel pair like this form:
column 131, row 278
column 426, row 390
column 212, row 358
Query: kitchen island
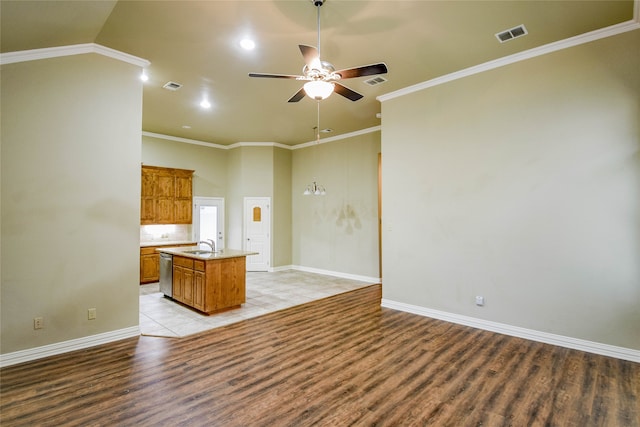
column 208, row 281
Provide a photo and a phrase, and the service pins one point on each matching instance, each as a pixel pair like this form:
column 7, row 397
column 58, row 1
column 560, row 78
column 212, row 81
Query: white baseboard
column 368, row 279
column 530, row 334
column 21, row 356
column 281, row 268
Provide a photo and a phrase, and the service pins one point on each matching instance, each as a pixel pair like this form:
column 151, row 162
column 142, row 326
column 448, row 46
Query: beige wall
column 521, row 184
column 281, row 212
column 234, row 201
column 337, row 232
column 70, row 198
column 250, row 175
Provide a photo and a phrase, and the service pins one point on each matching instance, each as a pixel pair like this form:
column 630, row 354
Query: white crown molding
column 261, row 144
column 185, row 140
column 21, row 356
column 521, row 56
column 78, row 49
column 258, row 144
column 530, row 334
column 338, row 137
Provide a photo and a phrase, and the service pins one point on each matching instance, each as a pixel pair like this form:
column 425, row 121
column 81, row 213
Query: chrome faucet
column 209, row 243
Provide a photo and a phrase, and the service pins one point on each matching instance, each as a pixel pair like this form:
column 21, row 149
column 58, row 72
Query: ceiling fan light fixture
column 318, row 89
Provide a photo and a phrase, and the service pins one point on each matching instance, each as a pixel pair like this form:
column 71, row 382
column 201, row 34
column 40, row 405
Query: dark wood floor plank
column 341, row 361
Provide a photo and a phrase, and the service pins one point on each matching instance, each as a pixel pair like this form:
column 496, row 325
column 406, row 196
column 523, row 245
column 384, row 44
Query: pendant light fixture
column 314, row 188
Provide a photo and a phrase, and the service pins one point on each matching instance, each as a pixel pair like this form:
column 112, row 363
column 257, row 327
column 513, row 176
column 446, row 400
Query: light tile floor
column 266, row 292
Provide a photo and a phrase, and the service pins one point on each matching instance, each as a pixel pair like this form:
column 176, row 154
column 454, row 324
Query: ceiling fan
column 321, row 76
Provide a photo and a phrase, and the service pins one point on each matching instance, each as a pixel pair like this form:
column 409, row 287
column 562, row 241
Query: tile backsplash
column 165, row 232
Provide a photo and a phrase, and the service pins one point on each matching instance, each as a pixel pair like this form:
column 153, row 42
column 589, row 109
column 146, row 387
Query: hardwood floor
column 339, row 361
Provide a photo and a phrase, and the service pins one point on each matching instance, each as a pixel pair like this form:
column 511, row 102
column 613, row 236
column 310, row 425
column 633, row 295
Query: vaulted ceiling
column 197, row 44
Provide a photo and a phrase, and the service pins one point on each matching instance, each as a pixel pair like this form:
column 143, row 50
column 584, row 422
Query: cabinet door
column 149, row 268
column 183, row 211
column 198, row 290
column 165, row 184
column 183, row 185
column 178, row 283
column 147, row 197
column 164, row 208
column 147, row 210
column 187, row 289
column 165, row 191
column 184, row 197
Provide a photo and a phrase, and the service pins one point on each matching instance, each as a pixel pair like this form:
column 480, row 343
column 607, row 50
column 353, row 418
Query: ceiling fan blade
column 298, row 96
column 311, row 55
column 346, row 92
column 365, row 70
column 276, row 76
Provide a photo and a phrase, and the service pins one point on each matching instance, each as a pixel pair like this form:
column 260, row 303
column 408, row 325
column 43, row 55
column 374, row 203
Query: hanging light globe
column 318, row 89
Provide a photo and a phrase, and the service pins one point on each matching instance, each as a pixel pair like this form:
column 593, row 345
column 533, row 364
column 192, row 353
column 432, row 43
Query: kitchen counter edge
column 225, row 253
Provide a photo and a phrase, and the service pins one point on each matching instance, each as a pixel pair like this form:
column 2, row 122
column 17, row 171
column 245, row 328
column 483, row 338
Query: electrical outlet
column 91, row 314
column 38, row 323
column 479, row 300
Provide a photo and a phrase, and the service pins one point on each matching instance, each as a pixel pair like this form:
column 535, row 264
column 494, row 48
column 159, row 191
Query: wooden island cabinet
column 209, row 283
column 209, row 286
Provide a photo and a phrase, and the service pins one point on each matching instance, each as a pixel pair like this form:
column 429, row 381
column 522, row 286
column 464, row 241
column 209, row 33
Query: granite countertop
column 225, row 253
column 166, row 243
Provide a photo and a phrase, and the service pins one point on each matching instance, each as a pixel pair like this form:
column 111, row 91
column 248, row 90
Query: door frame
column 209, row 201
column 264, row 201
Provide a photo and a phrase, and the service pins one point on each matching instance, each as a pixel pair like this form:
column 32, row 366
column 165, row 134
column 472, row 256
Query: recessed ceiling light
column 327, row 130
column 186, row 127
column 144, row 77
column 205, row 104
column 247, row 44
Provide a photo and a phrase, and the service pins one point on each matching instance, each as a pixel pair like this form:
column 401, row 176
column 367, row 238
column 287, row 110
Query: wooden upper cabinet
column 184, row 184
column 166, row 196
column 147, row 197
column 184, row 198
column 165, row 183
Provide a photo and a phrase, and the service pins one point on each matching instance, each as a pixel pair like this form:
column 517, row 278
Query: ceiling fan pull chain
column 318, row 127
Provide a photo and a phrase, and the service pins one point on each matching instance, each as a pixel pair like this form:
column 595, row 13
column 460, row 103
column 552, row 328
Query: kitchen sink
column 199, row 252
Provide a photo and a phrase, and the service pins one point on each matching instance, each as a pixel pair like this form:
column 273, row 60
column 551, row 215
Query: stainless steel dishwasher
column 166, row 274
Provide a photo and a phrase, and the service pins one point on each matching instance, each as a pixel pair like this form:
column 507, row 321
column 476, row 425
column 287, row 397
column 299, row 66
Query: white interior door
column 208, row 220
column 257, row 229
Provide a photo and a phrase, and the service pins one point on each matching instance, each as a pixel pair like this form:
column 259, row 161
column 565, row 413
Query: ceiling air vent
column 172, row 86
column 511, row 34
column 375, row 81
